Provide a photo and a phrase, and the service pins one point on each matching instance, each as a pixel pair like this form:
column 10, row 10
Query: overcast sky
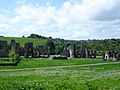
column 68, row 19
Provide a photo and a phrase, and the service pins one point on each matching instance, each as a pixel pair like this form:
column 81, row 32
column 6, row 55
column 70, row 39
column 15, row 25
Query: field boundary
column 83, row 65
column 11, row 64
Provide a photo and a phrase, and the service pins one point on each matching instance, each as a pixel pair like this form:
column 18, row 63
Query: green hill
column 22, row 41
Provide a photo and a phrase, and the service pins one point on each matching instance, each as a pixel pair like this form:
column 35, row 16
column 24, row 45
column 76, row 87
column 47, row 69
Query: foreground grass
column 36, row 63
column 103, row 77
column 77, row 78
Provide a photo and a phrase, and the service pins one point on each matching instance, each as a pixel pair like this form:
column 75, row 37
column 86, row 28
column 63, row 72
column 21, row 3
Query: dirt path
column 83, row 65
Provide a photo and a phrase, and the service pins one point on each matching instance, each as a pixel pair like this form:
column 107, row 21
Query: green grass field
column 36, row 63
column 44, row 74
column 22, row 41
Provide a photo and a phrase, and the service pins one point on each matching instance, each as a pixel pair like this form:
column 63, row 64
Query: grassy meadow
column 22, row 41
column 45, row 74
column 37, row 62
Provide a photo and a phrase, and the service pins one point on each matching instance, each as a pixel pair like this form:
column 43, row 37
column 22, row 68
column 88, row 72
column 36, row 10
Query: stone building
column 109, row 55
column 39, row 51
column 4, row 48
column 14, row 46
column 28, row 49
column 88, row 53
column 71, row 50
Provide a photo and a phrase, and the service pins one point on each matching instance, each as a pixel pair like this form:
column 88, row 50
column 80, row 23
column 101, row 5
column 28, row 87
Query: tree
column 13, row 55
column 50, row 46
column 23, row 36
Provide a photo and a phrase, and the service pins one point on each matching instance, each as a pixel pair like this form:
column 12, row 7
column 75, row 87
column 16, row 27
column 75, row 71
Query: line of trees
column 56, row 46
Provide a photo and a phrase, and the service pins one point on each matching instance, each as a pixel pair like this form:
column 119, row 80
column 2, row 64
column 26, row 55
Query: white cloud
column 21, row 1
column 3, row 26
column 83, row 20
column 15, row 20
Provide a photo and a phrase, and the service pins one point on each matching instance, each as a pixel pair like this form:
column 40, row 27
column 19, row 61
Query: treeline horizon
column 94, row 44
column 33, row 35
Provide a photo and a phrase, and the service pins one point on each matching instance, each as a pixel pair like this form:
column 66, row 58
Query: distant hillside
column 22, row 41
column 98, row 45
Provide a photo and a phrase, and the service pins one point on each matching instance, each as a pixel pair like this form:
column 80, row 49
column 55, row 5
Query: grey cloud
column 109, row 14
